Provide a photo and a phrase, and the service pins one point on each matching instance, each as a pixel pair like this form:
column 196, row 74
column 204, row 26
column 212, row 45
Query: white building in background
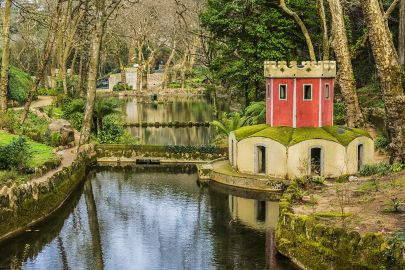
column 131, row 78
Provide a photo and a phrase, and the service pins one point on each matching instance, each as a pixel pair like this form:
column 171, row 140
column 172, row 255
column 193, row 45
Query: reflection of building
column 131, row 78
column 298, row 138
column 260, row 215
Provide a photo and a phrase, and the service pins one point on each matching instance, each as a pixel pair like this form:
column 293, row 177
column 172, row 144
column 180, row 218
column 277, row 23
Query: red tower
column 300, row 95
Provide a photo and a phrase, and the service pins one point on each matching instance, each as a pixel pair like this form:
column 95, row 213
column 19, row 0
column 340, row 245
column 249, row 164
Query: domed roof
column 288, row 136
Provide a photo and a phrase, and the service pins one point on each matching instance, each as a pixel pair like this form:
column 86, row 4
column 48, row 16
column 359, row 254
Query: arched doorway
column 360, row 156
column 261, row 159
column 316, row 162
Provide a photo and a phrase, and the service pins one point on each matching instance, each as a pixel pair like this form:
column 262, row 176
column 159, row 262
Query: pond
column 182, row 109
column 151, row 218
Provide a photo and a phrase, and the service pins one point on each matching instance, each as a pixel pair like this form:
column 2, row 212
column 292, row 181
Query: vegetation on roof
column 244, row 132
column 290, row 136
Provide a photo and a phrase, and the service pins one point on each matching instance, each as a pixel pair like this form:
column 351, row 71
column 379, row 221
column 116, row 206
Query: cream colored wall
column 333, row 158
column 245, row 211
column 351, row 153
column 276, row 156
column 231, row 138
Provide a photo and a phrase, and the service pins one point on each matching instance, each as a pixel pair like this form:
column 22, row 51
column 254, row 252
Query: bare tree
column 401, row 36
column 390, row 74
column 5, row 56
column 346, row 78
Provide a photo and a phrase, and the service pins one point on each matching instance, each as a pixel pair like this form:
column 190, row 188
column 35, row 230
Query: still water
column 151, row 218
column 182, row 109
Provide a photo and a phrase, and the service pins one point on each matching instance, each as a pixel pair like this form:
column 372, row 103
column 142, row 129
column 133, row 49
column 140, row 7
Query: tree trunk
column 183, row 68
column 390, row 74
column 73, row 64
column 139, row 76
column 346, row 79
column 48, row 48
column 303, row 28
column 401, row 46
column 123, row 72
column 92, row 75
column 167, row 66
column 324, row 27
column 151, row 60
column 6, row 56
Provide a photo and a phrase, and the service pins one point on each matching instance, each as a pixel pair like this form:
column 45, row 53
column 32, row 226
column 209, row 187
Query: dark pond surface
column 182, row 109
column 151, row 218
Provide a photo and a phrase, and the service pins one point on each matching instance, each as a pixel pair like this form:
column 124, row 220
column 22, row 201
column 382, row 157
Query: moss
column 345, row 135
column 247, row 131
column 310, row 133
column 278, row 134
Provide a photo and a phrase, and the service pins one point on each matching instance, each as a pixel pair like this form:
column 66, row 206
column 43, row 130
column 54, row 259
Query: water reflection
column 149, row 218
column 182, row 109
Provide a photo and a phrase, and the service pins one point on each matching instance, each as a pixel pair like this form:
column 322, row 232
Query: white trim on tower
column 295, row 104
column 271, row 101
column 320, row 103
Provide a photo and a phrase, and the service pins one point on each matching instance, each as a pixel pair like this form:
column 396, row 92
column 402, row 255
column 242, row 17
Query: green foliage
column 339, row 112
column 256, row 113
column 244, row 34
column 15, row 154
column 380, row 169
column 397, row 242
column 19, row 85
column 229, row 122
column 112, row 130
column 122, row 87
column 9, row 121
column 42, row 91
column 395, row 205
column 381, row 142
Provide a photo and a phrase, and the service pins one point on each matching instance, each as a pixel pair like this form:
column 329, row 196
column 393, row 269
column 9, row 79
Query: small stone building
column 131, row 78
column 299, row 138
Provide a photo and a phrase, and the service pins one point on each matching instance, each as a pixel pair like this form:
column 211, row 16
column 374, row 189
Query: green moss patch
column 290, row 136
column 278, row 134
column 41, row 153
column 247, row 131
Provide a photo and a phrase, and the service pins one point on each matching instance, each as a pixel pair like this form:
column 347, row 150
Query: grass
column 13, row 177
column 332, row 215
column 41, row 153
column 290, row 136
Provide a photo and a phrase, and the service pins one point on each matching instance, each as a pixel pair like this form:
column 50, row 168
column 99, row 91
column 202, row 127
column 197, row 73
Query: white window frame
column 327, row 86
column 303, row 92
column 279, row 91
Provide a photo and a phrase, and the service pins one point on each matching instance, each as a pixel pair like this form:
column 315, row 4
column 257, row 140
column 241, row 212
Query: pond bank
column 311, row 244
column 26, row 205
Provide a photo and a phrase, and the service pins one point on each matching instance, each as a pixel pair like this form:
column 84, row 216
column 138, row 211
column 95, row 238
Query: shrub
column 42, row 91
column 15, row 154
column 73, row 106
column 380, row 169
column 122, row 87
column 9, row 121
column 397, row 167
column 19, row 85
column 76, row 119
column 339, row 113
column 112, row 130
column 381, row 142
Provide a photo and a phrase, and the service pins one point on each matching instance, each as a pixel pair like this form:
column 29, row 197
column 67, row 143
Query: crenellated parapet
column 307, row 69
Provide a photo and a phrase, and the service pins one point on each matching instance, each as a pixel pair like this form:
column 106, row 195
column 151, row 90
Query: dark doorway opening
column 360, row 156
column 316, row 161
column 261, row 211
column 261, row 159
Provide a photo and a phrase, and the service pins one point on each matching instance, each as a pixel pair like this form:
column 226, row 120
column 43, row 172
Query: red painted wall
column 327, row 104
column 308, row 110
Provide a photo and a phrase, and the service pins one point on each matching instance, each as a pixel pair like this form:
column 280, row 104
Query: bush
column 112, row 130
column 15, row 154
column 122, row 87
column 76, row 119
column 19, row 85
column 380, row 169
column 381, row 142
column 42, row 91
column 339, row 113
column 9, row 121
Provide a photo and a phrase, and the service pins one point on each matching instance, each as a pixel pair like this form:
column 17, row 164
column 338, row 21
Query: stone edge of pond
column 166, row 153
column 224, row 174
column 26, row 205
column 311, row 245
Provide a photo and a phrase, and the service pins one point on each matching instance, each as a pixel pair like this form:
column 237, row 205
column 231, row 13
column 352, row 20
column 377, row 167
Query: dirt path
column 42, row 101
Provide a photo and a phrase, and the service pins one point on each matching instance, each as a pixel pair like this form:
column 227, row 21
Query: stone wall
column 312, row 245
column 25, row 205
column 204, row 152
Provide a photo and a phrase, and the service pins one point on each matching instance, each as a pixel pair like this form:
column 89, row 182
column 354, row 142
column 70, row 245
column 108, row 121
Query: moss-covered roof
column 289, row 136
